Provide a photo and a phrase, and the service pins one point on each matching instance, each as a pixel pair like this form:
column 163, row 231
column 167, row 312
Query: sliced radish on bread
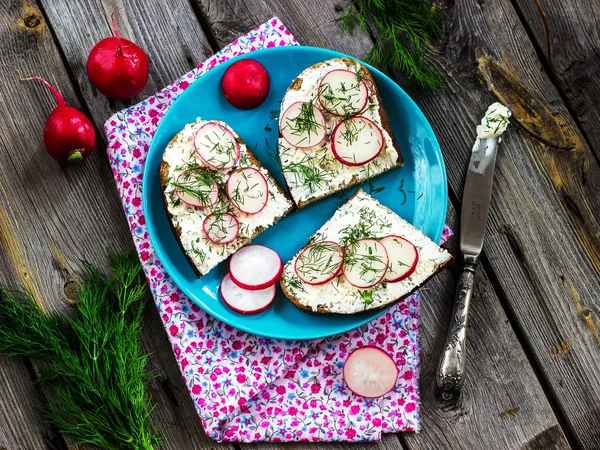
column 357, row 141
column 370, row 372
column 221, row 228
column 343, row 92
column 403, row 256
column 255, row 267
column 248, row 190
column 244, row 301
column 216, row 146
column 302, row 125
column 319, row 263
column 197, row 188
column 365, row 263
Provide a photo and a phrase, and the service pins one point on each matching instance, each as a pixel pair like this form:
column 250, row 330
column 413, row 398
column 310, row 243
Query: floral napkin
column 248, row 388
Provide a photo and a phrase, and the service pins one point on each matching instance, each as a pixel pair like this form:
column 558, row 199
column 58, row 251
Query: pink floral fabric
column 248, row 388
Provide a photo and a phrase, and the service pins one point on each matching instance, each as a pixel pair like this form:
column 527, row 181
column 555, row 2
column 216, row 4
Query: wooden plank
column 388, row 442
column 568, row 37
column 496, row 355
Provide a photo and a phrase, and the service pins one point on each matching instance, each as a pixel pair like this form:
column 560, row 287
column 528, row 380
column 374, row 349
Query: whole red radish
column 245, row 84
column 69, row 135
column 117, row 67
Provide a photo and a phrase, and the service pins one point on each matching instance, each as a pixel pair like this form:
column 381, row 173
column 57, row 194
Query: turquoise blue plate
column 417, row 191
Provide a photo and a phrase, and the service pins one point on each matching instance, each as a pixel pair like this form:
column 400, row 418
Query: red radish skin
column 248, row 190
column 118, row 68
column 216, row 146
column 255, row 267
column 404, row 258
column 319, row 263
column 340, row 84
column 368, row 145
column 370, row 372
column 222, row 229
column 244, row 301
column 293, row 134
column 69, row 135
column 363, row 253
column 245, row 84
column 212, row 193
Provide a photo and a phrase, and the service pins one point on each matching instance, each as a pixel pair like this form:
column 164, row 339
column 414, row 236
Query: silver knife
column 473, row 219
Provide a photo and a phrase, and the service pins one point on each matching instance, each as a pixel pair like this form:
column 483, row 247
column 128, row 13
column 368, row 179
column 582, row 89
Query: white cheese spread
column 339, row 296
column 494, row 122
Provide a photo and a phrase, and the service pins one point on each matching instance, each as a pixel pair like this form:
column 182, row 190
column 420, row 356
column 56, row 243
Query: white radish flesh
column 216, row 146
column 221, row 229
column 357, row 141
column 302, row 125
column 244, row 301
column 370, row 372
column 365, row 263
column 248, row 190
column 255, row 267
column 197, row 188
column 343, row 92
column 403, row 256
column 319, row 263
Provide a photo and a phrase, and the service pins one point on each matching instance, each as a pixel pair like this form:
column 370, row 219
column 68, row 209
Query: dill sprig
column 305, row 124
column 321, row 258
column 92, row 369
column 403, row 27
column 309, row 172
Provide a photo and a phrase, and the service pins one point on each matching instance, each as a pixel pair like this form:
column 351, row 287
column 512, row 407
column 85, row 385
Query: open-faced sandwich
column 365, row 257
column 218, row 195
column 333, row 131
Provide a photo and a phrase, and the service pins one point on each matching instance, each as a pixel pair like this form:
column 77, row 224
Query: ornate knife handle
column 451, row 368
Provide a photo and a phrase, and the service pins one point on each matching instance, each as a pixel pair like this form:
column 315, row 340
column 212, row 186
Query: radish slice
column 255, row 267
column 403, row 256
column 365, row 263
column 343, row 92
column 248, row 190
column 221, row 229
column 370, row 372
column 197, row 188
column 216, row 146
column 303, row 125
column 244, row 301
column 319, row 263
column 356, row 141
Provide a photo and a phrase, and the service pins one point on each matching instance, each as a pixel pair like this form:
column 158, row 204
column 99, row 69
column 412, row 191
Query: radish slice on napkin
column 403, row 256
column 248, row 190
column 197, row 188
column 303, row 125
column 319, row 263
column 216, row 146
column 244, row 301
column 221, row 229
column 343, row 92
column 255, row 267
column 365, row 263
column 370, row 372
column 356, row 141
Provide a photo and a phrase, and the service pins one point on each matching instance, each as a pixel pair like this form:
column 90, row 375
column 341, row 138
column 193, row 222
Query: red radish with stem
column 370, row 372
column 69, row 135
column 118, row 68
column 245, row 84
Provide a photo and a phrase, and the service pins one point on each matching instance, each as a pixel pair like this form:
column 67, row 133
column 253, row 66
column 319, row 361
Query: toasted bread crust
column 240, row 241
column 385, row 123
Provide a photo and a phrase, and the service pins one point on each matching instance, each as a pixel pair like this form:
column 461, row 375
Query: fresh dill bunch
column 92, row 368
column 402, row 26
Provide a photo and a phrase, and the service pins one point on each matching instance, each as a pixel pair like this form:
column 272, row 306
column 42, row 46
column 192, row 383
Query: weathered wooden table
column 534, row 341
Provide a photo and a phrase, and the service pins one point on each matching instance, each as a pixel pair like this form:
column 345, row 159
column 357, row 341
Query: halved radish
column 343, row 92
column 356, row 141
column 365, row 263
column 248, row 190
column 303, row 125
column 370, row 372
column 244, row 301
column 197, row 188
column 403, row 256
column 221, row 228
column 216, row 146
column 320, row 262
column 255, row 267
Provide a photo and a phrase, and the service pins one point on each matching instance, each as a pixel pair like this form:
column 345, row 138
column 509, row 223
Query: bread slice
column 187, row 221
column 314, row 173
column 363, row 212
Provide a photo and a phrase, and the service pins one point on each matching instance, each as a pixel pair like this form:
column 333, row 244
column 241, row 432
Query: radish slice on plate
column 356, row 141
column 319, row 263
column 343, row 92
column 216, row 146
column 365, row 263
column 255, row 267
column 370, row 372
column 248, row 190
column 197, row 188
column 221, row 229
column 244, row 301
column 403, row 256
column 303, row 125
